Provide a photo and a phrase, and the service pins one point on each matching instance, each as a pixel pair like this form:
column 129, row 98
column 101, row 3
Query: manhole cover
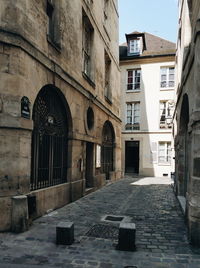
column 113, row 218
column 103, row 231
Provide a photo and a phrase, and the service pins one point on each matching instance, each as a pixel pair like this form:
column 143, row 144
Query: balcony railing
column 166, row 123
column 132, row 126
column 167, row 84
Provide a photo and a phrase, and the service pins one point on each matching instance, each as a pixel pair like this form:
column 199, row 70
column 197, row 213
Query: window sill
column 133, row 91
column 134, row 53
column 166, row 127
column 164, row 164
column 132, row 127
column 86, row 77
column 53, row 44
column 166, row 88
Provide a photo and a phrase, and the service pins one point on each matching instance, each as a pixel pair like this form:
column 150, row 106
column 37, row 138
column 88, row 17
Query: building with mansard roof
column 60, row 126
column 147, row 104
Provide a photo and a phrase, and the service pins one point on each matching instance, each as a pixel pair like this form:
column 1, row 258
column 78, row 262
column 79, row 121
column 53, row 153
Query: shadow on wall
column 149, row 145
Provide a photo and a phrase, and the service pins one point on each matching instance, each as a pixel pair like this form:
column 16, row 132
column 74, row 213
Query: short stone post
column 65, row 233
column 19, row 215
column 126, row 238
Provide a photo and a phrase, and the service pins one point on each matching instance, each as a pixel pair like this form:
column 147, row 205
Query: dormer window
column 134, row 46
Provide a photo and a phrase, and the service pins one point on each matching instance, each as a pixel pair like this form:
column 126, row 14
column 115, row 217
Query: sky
column 158, row 17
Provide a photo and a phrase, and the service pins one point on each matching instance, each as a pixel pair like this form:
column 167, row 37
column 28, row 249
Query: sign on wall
column 98, row 156
column 25, row 107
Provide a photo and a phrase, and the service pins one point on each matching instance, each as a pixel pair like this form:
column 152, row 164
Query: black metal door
column 89, row 165
column 49, row 141
column 132, row 157
column 107, row 152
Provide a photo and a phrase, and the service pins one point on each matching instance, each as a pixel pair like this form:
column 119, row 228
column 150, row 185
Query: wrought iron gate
column 107, row 152
column 49, row 141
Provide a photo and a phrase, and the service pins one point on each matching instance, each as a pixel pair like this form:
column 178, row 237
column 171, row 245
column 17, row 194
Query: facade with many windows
column 147, row 88
column 60, row 123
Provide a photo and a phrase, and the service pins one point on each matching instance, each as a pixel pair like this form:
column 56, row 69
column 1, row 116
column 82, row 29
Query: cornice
column 148, row 59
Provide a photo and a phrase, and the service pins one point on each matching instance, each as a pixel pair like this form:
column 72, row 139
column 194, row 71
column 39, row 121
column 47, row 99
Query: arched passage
column 107, row 152
column 52, row 122
column 183, row 147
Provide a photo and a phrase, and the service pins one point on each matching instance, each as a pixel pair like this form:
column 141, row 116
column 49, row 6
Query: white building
column 147, row 88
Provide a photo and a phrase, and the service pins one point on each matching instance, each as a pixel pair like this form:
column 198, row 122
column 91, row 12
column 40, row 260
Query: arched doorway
column 107, row 152
column 183, row 147
column 49, row 139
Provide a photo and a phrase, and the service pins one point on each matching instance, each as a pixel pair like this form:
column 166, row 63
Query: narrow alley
column 150, row 203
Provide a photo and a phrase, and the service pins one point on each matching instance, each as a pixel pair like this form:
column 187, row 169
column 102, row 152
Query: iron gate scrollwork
column 107, row 152
column 49, row 140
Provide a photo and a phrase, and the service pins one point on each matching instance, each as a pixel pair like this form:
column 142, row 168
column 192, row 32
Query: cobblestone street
column 161, row 235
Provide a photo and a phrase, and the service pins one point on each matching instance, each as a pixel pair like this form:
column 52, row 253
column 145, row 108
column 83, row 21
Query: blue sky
column 158, row 17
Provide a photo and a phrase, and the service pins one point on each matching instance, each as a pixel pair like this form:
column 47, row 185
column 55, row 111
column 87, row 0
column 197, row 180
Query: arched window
column 49, row 140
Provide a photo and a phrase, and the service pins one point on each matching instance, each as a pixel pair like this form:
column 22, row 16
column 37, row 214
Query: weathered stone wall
column 28, row 62
column 187, row 137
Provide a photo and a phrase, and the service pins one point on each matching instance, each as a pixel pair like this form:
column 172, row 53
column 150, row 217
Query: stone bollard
column 19, row 218
column 126, row 238
column 65, row 233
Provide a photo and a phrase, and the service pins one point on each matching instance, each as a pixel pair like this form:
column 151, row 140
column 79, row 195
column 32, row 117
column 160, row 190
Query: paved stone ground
column 161, row 236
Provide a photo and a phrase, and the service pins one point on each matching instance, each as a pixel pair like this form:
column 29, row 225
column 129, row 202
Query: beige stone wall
column 31, row 24
column 28, row 62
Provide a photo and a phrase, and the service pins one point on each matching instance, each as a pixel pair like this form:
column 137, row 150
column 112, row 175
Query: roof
column 155, row 46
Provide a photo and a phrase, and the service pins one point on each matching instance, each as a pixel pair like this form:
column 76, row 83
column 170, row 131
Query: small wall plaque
column 98, row 156
column 25, row 107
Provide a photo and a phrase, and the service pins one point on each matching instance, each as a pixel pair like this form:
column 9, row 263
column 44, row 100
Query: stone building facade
column 60, row 127
column 187, row 116
column 147, row 86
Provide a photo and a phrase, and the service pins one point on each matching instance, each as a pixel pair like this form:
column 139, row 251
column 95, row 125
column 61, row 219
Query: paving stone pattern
column 161, row 235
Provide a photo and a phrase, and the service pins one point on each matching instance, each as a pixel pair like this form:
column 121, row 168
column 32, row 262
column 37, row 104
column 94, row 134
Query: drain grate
column 130, row 267
column 103, row 231
column 113, row 218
